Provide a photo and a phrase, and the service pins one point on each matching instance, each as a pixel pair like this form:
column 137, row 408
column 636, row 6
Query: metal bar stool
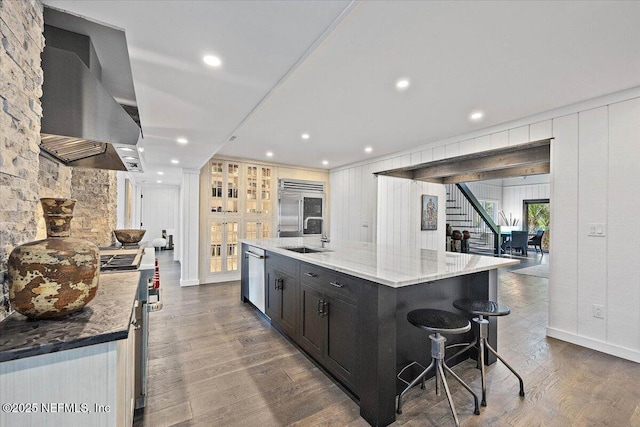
column 482, row 309
column 439, row 322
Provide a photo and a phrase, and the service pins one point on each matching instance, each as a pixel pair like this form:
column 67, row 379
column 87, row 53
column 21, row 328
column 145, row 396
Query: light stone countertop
column 388, row 265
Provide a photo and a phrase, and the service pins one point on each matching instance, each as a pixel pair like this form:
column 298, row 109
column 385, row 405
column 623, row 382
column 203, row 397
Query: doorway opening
column 537, row 215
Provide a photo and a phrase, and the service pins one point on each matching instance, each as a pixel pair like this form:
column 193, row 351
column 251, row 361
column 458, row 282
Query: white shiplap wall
column 399, row 213
column 595, row 170
column 513, row 196
column 486, row 191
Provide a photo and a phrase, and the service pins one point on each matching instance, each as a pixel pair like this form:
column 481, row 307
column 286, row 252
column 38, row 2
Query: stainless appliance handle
column 255, row 255
column 300, row 219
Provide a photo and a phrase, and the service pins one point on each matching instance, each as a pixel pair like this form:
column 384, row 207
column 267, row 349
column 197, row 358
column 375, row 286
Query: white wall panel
column 513, row 198
column 519, row 135
column 483, row 143
column 467, row 147
column 499, row 140
column 416, row 158
column 439, row 152
column 452, row 150
column 592, row 190
column 623, row 212
column 541, row 130
column 158, row 210
column 427, row 155
column 563, row 288
column 592, row 193
column 399, row 207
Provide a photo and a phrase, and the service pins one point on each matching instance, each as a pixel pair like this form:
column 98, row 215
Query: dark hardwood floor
column 215, row 362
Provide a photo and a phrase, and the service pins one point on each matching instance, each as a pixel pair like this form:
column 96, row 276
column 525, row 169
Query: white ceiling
column 508, row 59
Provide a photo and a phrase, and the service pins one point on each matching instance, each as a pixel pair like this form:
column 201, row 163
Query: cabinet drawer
column 330, row 282
column 282, row 263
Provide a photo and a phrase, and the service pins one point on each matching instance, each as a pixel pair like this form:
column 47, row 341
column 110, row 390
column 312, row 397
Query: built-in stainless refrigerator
column 301, row 208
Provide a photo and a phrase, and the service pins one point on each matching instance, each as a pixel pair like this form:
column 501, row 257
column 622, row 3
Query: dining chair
column 536, row 241
column 519, row 240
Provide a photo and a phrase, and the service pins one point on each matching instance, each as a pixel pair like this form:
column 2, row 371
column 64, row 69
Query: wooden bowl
column 129, row 237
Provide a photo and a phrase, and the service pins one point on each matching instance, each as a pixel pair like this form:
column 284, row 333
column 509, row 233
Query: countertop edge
column 308, row 258
column 119, row 332
column 17, row 354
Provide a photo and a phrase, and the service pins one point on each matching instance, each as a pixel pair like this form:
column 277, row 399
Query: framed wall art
column 429, row 215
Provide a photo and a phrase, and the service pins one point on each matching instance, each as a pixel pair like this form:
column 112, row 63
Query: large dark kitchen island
column 346, row 306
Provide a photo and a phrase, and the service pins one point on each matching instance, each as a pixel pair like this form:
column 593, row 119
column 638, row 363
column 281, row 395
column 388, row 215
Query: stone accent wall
column 21, row 42
column 94, row 217
column 54, row 180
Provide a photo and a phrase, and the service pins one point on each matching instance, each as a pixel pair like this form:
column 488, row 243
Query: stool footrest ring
column 422, row 368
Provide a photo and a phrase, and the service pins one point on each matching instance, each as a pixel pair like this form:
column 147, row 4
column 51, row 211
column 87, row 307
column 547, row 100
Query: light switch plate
column 597, row 230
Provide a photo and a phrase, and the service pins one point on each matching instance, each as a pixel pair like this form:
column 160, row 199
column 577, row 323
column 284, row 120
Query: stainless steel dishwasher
column 256, row 260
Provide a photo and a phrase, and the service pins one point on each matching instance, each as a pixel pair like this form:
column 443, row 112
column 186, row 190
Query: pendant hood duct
column 80, row 118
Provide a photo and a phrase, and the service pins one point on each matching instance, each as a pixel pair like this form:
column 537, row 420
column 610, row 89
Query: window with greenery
column 538, row 217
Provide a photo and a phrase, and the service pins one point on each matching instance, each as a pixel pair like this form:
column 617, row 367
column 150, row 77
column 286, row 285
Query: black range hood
column 80, row 118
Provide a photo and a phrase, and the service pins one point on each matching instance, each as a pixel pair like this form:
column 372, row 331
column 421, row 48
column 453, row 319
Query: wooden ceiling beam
column 485, row 163
column 536, row 169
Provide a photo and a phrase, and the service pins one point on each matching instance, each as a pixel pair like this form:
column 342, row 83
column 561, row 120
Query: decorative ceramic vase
column 55, row 276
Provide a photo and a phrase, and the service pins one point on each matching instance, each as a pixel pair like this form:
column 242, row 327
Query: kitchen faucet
column 306, row 220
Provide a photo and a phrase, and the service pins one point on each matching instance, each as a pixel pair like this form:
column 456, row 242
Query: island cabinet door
column 312, row 322
column 289, row 305
column 281, row 300
column 340, row 349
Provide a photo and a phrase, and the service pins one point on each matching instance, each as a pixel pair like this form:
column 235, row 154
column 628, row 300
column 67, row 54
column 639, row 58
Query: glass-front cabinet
column 260, row 229
column 259, row 195
column 239, row 201
column 224, row 246
column 225, row 187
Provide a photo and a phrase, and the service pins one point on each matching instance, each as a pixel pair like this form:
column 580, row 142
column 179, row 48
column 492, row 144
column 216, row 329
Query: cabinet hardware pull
column 325, row 308
column 254, row 255
column 336, row 284
column 320, row 306
column 279, row 283
column 311, row 274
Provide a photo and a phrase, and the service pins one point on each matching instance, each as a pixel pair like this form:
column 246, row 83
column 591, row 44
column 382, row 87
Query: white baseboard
column 192, row 282
column 601, row 346
column 221, row 277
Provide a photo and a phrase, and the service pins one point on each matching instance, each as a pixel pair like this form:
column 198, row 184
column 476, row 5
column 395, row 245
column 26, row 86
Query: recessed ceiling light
column 269, row 153
column 126, row 149
column 211, row 60
column 175, row 161
column 141, row 149
column 325, row 162
column 368, row 149
column 182, row 140
column 305, row 136
column 477, row 115
column 160, row 173
column 402, row 84
column 159, row 182
column 130, row 158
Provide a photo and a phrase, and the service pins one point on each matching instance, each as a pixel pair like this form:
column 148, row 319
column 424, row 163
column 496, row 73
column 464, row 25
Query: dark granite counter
column 106, row 318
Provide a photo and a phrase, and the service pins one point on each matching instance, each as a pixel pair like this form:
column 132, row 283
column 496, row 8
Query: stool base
column 437, row 363
column 482, row 342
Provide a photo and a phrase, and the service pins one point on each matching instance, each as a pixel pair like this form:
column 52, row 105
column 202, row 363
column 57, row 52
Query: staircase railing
column 486, row 218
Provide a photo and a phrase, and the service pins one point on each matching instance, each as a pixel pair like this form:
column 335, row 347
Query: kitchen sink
column 305, row 250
